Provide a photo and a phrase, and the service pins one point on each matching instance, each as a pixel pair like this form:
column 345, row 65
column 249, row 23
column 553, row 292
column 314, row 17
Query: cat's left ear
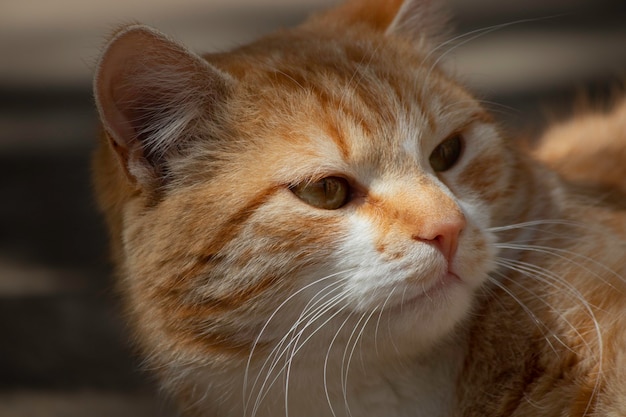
column 421, row 19
column 416, row 20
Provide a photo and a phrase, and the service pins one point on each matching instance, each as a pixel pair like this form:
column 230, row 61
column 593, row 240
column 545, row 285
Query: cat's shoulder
column 589, row 148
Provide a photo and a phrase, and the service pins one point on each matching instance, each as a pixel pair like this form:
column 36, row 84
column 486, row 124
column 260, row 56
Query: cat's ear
column 421, row 18
column 413, row 19
column 151, row 94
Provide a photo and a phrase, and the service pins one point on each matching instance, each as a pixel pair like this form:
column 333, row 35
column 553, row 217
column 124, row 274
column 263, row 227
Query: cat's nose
column 443, row 233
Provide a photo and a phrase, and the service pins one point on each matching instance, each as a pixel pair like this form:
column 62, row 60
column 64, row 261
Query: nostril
column 443, row 235
column 446, row 245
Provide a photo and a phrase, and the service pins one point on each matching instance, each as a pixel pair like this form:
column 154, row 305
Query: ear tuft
column 421, row 18
column 150, row 91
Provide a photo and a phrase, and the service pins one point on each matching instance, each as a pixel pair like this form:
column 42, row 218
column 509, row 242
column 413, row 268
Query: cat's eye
column 329, row 193
column 447, row 153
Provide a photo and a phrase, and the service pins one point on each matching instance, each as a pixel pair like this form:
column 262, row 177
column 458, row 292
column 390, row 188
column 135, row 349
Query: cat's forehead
column 381, row 75
column 342, row 102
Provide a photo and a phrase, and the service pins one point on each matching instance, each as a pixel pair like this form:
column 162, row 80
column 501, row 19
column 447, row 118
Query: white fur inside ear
column 149, row 90
column 420, row 19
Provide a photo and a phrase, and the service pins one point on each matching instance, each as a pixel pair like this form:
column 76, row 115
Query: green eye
column 447, row 153
column 329, row 193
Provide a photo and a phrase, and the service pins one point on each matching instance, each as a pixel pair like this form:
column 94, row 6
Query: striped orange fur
column 453, row 274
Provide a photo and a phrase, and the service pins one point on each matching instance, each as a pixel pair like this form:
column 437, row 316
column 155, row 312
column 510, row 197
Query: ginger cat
column 326, row 223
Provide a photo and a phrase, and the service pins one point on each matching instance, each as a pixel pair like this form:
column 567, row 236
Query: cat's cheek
column 476, row 255
column 379, row 279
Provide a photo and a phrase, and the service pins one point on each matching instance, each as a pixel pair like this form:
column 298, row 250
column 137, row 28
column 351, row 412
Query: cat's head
column 325, row 174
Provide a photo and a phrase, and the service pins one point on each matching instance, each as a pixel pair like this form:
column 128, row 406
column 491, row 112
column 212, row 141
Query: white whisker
column 267, row 322
column 561, row 254
column 344, row 375
column 380, row 315
column 295, row 348
column 293, row 339
column 541, row 325
column 541, row 297
column 332, row 342
column 542, row 222
column 554, row 281
column 464, row 38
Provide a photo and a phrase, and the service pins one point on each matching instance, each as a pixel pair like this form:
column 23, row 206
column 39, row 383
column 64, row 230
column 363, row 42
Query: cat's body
column 325, row 223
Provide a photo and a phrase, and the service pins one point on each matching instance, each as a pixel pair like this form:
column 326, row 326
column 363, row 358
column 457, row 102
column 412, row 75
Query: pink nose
column 443, row 234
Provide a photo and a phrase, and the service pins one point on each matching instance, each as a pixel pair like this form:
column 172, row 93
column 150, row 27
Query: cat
column 325, row 222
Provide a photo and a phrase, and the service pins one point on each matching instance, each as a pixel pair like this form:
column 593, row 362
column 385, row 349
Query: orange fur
column 575, row 149
column 494, row 287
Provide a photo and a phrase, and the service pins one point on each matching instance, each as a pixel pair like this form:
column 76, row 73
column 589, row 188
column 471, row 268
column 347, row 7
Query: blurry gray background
column 63, row 347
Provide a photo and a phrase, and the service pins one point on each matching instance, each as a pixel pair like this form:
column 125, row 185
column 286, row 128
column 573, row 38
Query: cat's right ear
column 151, row 93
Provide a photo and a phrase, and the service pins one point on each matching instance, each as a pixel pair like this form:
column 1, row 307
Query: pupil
column 446, row 154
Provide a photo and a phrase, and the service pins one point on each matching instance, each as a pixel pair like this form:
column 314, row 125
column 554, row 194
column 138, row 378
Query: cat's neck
column 354, row 382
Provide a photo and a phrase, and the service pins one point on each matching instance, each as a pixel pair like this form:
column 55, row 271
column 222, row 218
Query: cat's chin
column 425, row 317
column 437, row 289
column 429, row 296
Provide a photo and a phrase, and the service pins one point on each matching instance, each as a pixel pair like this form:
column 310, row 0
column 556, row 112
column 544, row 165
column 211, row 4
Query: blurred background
column 63, row 348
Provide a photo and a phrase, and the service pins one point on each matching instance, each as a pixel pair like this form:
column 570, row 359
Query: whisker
column 287, row 300
column 561, row 254
column 295, row 348
column 353, row 79
column 292, row 340
column 495, row 107
column 380, row 315
column 549, row 278
column 536, row 274
column 542, row 326
column 344, row 376
column 467, row 37
column 531, row 223
column 478, row 33
column 544, row 222
column 332, row 342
